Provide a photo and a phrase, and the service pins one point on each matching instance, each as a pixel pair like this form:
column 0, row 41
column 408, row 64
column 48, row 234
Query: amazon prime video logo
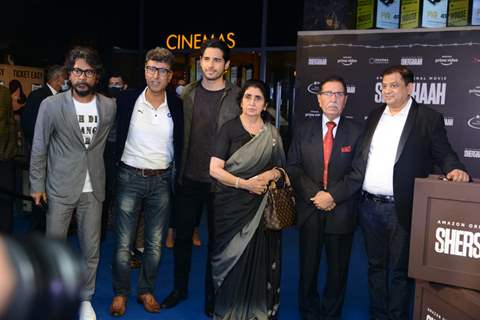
column 475, row 91
column 474, row 122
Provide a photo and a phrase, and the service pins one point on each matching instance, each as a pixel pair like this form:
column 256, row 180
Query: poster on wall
column 365, row 9
column 475, row 12
column 458, row 13
column 388, row 13
column 438, row 58
column 410, row 14
column 434, row 13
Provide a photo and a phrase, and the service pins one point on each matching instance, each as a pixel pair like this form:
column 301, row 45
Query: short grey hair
column 55, row 70
column 160, row 55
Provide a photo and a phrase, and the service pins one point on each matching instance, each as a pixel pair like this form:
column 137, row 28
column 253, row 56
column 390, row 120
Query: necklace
column 254, row 129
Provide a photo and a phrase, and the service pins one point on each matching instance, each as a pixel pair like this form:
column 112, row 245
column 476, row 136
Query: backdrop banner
column 445, row 62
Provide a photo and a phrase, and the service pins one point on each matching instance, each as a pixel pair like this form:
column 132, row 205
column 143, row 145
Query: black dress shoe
column 173, row 299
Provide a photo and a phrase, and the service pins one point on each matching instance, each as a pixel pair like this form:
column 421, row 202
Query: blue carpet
column 356, row 303
column 355, row 307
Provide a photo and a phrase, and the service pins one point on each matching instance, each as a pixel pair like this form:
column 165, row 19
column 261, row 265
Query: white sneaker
column 86, row 311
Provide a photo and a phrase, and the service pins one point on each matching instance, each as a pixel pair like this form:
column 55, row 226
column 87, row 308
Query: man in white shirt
column 402, row 141
column 149, row 138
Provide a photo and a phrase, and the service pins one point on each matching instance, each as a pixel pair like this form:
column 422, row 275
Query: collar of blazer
column 71, row 116
column 372, row 123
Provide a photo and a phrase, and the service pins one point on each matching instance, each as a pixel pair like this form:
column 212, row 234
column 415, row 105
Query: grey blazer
column 60, row 160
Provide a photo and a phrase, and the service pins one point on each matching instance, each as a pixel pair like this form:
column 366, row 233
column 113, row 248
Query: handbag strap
column 284, row 175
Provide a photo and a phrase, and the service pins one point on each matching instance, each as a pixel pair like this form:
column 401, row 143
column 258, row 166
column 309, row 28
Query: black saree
column 247, row 257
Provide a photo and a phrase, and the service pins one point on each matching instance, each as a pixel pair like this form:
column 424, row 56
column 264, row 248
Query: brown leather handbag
column 280, row 210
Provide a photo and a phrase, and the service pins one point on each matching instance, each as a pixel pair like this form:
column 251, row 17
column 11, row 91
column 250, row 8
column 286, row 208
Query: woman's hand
column 257, row 184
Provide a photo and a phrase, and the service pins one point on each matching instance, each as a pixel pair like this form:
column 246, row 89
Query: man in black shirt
column 207, row 104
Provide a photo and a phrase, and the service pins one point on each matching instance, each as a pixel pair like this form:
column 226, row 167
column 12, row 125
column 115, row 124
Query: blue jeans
column 154, row 193
column 387, row 245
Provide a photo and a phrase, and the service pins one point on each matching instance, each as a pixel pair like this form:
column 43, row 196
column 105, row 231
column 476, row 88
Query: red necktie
column 327, row 151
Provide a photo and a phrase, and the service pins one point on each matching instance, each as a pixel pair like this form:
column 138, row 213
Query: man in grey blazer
column 67, row 168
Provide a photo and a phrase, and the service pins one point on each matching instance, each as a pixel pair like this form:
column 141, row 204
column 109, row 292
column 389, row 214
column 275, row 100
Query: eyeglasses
column 89, row 73
column 154, row 70
column 338, row 94
column 394, row 85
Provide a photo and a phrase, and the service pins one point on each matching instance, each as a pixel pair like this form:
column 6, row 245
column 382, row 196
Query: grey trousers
column 89, row 222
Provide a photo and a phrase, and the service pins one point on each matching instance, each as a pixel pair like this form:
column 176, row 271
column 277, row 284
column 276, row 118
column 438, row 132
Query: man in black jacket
column 56, row 76
column 321, row 154
column 149, row 138
column 402, row 141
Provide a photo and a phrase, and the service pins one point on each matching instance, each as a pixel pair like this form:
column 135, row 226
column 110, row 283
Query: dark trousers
column 387, row 245
column 338, row 247
column 190, row 200
column 7, row 187
column 38, row 215
column 111, row 171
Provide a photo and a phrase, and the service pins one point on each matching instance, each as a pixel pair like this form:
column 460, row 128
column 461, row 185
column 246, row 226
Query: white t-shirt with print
column 87, row 117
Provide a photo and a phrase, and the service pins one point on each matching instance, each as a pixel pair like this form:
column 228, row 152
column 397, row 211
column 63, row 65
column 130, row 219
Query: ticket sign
column 365, row 9
column 409, row 14
column 476, row 12
column 30, row 78
column 434, row 13
column 458, row 13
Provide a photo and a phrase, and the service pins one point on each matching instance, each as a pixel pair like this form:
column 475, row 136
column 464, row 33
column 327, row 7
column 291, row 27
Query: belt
column 378, row 197
column 144, row 172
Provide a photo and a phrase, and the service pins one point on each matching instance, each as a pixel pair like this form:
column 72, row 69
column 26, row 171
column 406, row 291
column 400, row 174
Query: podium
column 445, row 249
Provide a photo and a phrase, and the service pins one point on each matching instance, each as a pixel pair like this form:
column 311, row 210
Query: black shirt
column 202, row 136
column 231, row 137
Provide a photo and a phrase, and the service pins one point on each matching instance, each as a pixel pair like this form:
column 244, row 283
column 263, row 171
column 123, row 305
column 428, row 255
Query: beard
column 83, row 92
column 213, row 77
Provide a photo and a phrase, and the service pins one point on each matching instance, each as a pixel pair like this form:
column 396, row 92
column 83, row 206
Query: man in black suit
column 56, row 76
column 402, row 141
column 320, row 156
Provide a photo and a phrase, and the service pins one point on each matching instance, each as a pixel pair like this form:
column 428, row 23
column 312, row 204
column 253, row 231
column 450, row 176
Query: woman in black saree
column 247, row 257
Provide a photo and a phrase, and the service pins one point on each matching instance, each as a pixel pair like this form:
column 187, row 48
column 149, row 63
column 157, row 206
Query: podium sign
column 445, row 234
column 436, row 301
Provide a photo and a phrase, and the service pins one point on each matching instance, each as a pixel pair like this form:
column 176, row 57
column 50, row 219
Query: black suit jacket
column 30, row 111
column 305, row 168
column 125, row 105
column 423, row 144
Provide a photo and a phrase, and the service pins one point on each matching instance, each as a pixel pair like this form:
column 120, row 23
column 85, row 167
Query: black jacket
column 30, row 111
column 305, row 169
column 422, row 145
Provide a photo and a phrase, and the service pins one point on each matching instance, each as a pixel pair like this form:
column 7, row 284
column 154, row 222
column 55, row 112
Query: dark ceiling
column 39, row 32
